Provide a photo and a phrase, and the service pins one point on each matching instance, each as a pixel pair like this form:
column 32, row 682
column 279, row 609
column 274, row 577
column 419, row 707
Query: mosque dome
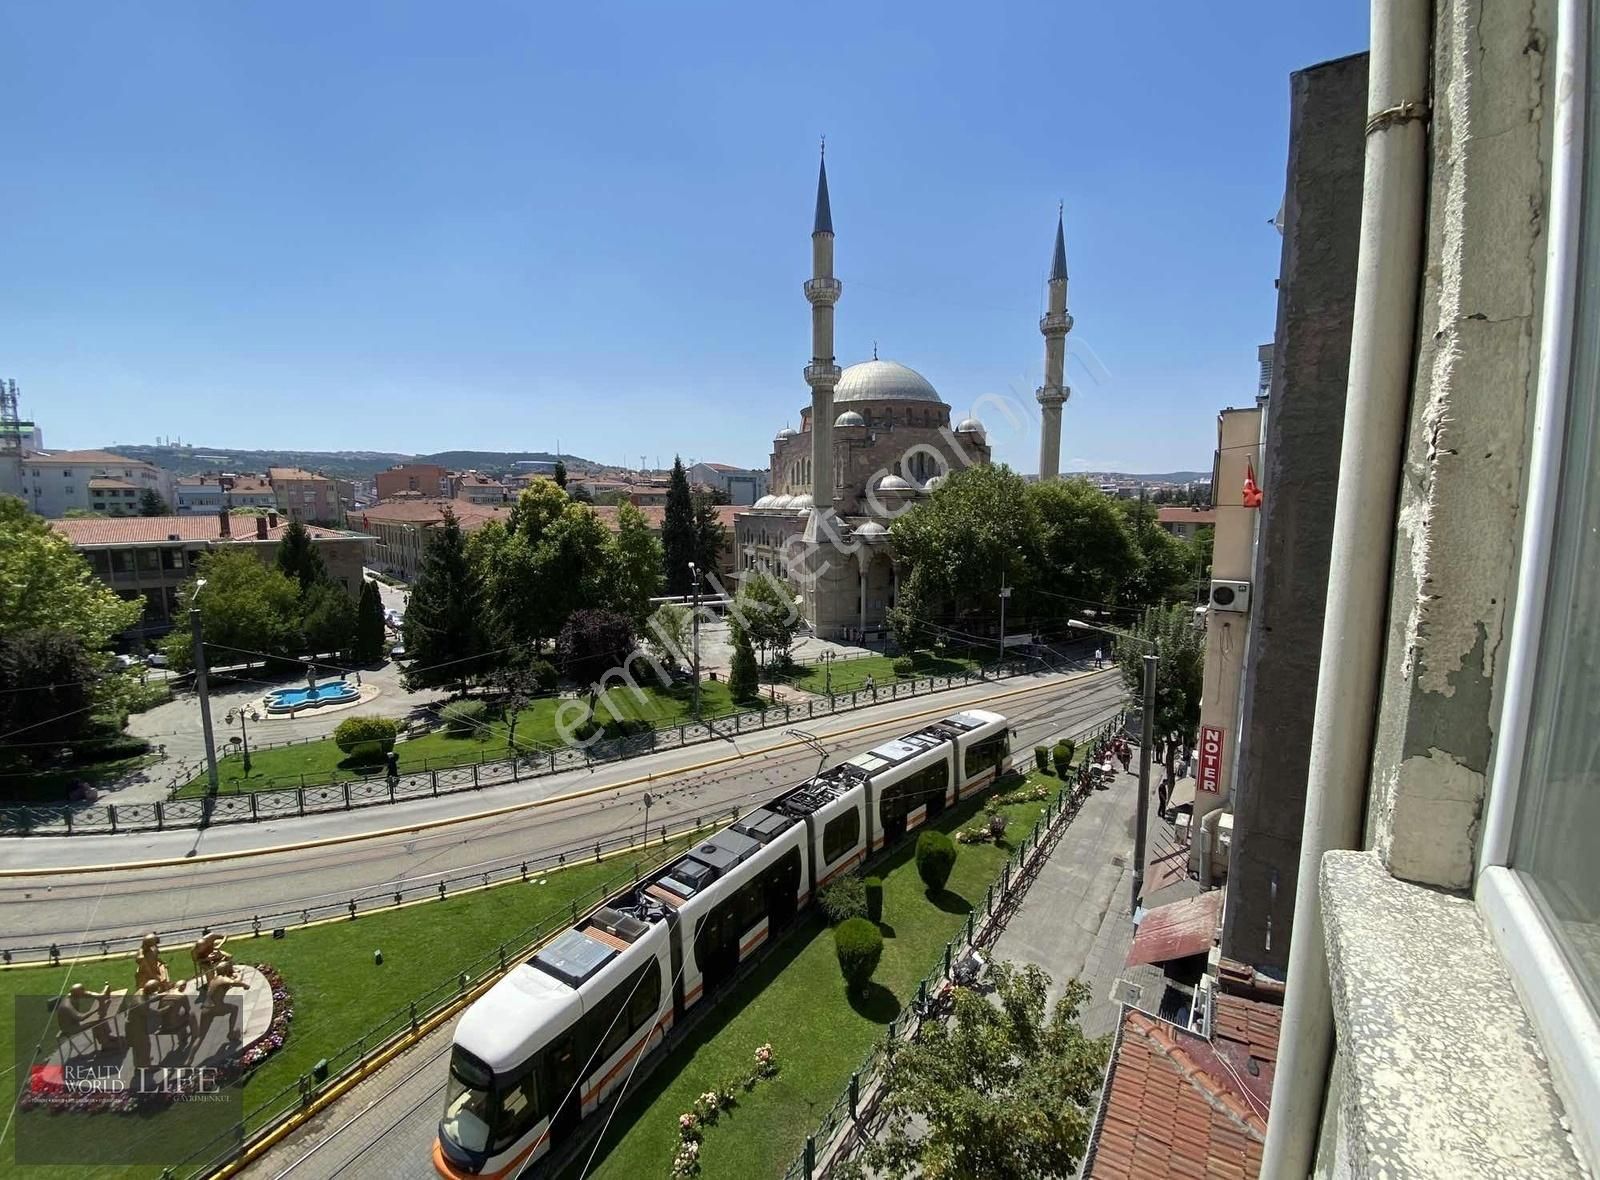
column 803, row 500
column 883, row 381
column 784, row 433
column 970, row 426
column 869, row 530
column 765, row 502
column 933, row 484
column 849, row 418
column 782, row 502
column 895, row 485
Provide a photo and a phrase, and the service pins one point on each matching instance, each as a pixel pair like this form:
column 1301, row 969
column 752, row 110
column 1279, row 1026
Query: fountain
column 313, row 695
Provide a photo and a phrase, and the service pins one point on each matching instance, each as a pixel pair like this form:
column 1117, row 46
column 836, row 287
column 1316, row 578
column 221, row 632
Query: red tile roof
column 1173, row 1107
column 143, row 530
column 1178, row 930
column 420, row 511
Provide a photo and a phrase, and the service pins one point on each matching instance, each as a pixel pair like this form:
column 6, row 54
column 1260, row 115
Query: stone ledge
column 1444, row 1076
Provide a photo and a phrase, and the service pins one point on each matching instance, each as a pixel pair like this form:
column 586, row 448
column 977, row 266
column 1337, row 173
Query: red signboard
column 1209, row 777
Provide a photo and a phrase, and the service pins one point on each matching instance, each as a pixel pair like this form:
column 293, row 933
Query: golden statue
column 148, row 968
column 208, row 956
column 85, row 1011
column 215, row 1002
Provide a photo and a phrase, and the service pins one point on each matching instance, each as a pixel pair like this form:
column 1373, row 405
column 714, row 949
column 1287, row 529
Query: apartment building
column 306, row 496
column 417, row 479
column 52, row 483
column 478, row 489
column 205, row 495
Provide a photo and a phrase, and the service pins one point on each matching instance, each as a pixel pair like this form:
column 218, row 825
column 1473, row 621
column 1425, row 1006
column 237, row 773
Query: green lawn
column 338, row 992
column 849, row 675
column 322, row 762
column 796, row 1000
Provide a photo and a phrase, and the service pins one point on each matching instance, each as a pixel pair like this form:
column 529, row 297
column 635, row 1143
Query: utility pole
column 1005, row 593
column 200, row 688
column 1147, row 731
column 694, row 623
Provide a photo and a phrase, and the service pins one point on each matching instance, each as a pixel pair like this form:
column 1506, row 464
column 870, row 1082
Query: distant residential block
column 52, row 483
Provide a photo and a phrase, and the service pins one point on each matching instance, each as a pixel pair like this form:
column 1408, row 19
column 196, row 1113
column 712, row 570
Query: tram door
column 892, row 813
column 562, row 1061
column 781, row 887
column 716, row 947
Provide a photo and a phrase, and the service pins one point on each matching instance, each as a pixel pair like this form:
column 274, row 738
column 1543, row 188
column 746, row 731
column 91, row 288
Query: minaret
column 822, row 374
column 1054, row 392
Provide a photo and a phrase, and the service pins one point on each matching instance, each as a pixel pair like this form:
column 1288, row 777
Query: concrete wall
column 1459, row 520
column 1300, row 469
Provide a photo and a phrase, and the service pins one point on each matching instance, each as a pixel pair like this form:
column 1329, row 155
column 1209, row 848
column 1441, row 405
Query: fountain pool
column 331, row 692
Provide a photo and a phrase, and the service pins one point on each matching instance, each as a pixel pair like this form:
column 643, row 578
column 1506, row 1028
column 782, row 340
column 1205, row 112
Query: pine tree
column 298, row 557
column 678, row 532
column 743, row 683
column 561, row 474
column 443, row 629
column 369, row 625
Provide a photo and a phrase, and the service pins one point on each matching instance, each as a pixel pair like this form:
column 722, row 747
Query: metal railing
column 345, row 794
column 843, row 1127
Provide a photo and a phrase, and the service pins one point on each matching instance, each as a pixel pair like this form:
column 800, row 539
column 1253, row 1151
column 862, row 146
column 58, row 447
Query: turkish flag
column 1252, row 492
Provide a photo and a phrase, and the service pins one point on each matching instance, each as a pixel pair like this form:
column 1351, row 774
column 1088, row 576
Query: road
column 378, row 848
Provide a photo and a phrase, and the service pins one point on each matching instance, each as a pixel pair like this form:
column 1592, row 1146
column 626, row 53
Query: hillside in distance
column 193, row 459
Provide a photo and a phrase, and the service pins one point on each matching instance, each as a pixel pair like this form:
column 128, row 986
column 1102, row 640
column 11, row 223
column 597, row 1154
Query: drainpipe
column 1377, row 399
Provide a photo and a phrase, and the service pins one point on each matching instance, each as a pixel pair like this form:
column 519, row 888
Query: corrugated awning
column 1176, row 931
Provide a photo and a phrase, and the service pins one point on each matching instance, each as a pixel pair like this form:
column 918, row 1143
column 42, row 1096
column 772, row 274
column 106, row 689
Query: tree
column 45, row 582
column 979, row 525
column 592, row 644
column 1165, row 570
column 859, row 945
column 46, row 686
column 327, row 619
column 670, row 632
column 298, row 556
column 1180, row 673
column 369, row 624
column 151, row 504
column 1086, row 549
column 561, row 475
column 245, row 608
column 710, row 537
column 638, row 559
column 743, row 680
column 936, row 858
column 444, row 620
column 999, row 1091
column 582, row 494
column 678, row 532
column 764, row 611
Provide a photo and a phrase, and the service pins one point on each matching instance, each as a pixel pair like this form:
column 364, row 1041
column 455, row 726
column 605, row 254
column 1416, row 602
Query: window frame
column 1567, row 1024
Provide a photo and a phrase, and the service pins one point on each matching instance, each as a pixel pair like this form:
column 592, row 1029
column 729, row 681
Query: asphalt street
column 240, row 879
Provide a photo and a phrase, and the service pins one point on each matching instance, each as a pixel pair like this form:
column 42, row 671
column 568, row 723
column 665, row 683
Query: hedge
column 859, row 945
column 464, row 718
column 1063, row 757
column 874, row 891
column 1041, row 759
column 904, row 666
column 936, row 857
column 843, row 898
column 366, row 738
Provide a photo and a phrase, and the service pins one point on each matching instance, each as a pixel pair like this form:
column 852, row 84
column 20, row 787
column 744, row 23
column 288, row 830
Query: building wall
column 428, row 479
column 314, row 498
column 1310, row 360
column 51, row 487
column 1238, row 445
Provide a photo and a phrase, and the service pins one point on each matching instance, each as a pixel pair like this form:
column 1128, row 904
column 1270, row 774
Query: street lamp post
column 241, row 715
column 827, row 669
column 694, row 623
column 1005, row 593
column 201, row 689
column 1147, row 731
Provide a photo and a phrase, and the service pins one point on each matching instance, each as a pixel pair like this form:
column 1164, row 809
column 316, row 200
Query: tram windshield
column 467, row 1111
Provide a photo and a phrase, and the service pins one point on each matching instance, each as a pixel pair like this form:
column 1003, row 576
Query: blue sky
column 417, row 227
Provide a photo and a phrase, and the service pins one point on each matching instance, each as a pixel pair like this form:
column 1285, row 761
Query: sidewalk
column 1075, row 921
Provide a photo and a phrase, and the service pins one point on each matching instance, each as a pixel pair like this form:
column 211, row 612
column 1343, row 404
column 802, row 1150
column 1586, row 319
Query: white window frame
column 1568, row 1026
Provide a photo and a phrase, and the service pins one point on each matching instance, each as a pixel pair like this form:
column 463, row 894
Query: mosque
column 875, row 440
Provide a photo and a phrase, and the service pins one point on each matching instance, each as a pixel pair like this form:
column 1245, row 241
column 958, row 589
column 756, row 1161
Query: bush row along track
column 74, row 910
column 385, row 1124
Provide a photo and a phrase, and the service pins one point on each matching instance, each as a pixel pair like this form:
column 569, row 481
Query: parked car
column 157, row 660
column 397, row 652
column 127, row 661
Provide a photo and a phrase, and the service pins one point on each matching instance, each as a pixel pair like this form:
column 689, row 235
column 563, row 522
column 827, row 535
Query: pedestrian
column 1099, row 657
column 1124, row 755
column 391, row 766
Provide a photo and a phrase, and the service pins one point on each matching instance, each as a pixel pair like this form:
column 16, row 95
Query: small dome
column 765, row 502
column 869, row 529
column 849, row 418
column 893, row 483
column 779, row 502
column 934, row 483
column 970, row 426
column 784, row 433
column 801, row 501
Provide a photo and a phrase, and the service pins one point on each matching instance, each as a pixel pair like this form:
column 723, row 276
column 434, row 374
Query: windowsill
column 1444, row 1076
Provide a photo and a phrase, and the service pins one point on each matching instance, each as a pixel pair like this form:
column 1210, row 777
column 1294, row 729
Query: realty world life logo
column 52, row 1080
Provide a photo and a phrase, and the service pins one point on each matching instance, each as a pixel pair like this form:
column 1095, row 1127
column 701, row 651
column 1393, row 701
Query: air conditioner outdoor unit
column 1227, row 595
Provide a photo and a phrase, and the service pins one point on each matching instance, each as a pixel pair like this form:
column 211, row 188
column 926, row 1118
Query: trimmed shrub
column 859, row 946
column 1041, row 759
column 874, row 891
column 905, row 666
column 1063, row 758
column 110, row 748
column 359, row 733
column 544, row 675
column 936, row 857
column 843, row 899
column 464, row 718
